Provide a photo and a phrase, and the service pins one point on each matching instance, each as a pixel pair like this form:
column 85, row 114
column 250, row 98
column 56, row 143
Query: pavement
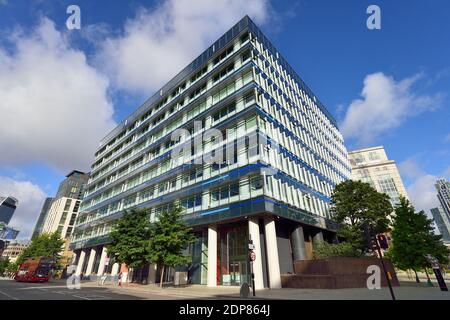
column 92, row 290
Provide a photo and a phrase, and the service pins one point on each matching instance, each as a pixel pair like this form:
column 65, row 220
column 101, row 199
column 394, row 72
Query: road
column 58, row 290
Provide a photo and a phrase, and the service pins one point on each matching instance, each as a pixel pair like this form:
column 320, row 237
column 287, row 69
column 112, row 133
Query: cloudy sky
column 63, row 90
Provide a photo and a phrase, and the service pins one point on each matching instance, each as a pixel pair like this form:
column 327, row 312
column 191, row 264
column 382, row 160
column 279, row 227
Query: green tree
column 4, row 263
column 413, row 237
column 130, row 236
column 356, row 205
column 44, row 245
column 170, row 236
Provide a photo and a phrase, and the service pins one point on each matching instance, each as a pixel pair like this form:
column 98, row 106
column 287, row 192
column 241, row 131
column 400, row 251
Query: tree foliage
column 413, row 237
column 357, row 205
column 170, row 236
column 130, row 236
column 45, row 245
column 4, row 264
column 327, row 250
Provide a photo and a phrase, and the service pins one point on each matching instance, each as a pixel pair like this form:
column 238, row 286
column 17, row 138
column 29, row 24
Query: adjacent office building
column 443, row 194
column 371, row 165
column 277, row 151
column 441, row 214
column 63, row 209
column 442, row 222
column 42, row 216
column 7, row 207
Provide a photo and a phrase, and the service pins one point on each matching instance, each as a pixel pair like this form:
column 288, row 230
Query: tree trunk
column 162, row 277
column 428, row 278
column 417, row 277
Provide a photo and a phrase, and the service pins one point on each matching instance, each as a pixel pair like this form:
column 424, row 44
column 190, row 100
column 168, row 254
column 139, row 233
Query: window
column 223, row 55
column 67, row 205
column 256, row 183
column 224, row 112
column 222, row 74
column 244, row 37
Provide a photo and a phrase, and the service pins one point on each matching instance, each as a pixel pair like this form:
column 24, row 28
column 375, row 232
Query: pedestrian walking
column 119, row 281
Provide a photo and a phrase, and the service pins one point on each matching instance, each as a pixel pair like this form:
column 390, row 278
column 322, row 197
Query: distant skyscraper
column 372, row 166
column 7, row 207
column 442, row 223
column 443, row 194
column 42, row 216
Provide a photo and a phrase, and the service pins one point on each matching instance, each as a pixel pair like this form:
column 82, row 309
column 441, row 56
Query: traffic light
column 382, row 240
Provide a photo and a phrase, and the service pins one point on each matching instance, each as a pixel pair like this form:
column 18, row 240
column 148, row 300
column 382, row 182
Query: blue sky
column 385, row 87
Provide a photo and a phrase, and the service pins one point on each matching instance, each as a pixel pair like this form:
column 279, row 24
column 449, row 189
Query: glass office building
column 7, row 207
column 257, row 159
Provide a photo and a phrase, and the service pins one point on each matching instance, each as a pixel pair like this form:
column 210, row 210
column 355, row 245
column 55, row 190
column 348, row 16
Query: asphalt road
column 12, row 290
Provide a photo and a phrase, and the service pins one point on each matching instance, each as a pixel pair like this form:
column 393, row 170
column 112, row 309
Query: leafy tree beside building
column 170, row 236
column 359, row 207
column 413, row 237
column 130, row 236
column 45, row 245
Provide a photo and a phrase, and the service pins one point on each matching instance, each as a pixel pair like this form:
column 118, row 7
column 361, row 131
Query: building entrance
column 233, row 263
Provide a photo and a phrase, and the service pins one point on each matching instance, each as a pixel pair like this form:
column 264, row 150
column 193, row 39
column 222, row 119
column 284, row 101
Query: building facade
column 371, row 165
column 7, row 207
column 63, row 210
column 277, row 155
column 443, row 194
column 442, row 222
column 38, row 228
column 13, row 250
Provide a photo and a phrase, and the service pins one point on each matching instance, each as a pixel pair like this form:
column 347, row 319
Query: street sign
column 252, row 256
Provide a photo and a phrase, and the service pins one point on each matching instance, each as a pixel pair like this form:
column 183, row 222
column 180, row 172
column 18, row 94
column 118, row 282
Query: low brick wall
column 335, row 273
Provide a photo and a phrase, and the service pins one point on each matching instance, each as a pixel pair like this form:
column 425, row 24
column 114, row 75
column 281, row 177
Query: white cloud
column 423, row 193
column 54, row 106
column 31, row 198
column 159, row 42
column 385, row 105
column 421, row 190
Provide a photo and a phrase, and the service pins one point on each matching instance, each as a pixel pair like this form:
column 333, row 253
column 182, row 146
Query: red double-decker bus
column 35, row 270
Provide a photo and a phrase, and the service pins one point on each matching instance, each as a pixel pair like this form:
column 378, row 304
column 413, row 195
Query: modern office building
column 443, row 194
column 277, row 154
column 7, row 207
column 442, row 222
column 42, row 216
column 371, row 165
column 64, row 208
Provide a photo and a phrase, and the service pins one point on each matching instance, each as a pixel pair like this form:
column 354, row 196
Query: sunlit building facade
column 371, row 165
column 281, row 155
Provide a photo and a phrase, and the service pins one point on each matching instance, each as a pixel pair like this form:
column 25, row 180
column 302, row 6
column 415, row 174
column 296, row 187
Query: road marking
column 81, row 297
column 9, row 296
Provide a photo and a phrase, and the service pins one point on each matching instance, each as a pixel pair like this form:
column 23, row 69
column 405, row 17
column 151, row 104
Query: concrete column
column 101, row 266
column 212, row 256
column 80, row 262
column 115, row 269
column 272, row 254
column 91, row 261
column 318, row 238
column 253, row 229
column 298, row 244
column 74, row 257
